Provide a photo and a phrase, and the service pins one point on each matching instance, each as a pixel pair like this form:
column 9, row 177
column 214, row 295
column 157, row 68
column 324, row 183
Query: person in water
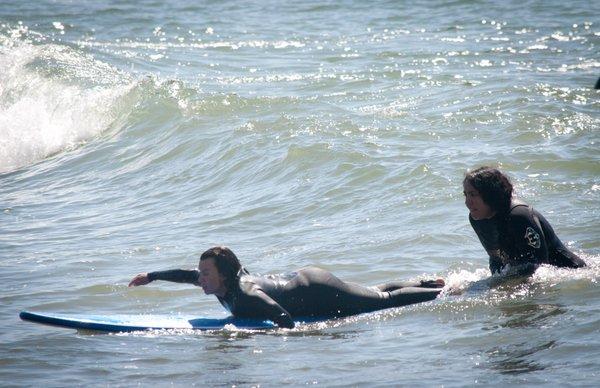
column 513, row 233
column 308, row 292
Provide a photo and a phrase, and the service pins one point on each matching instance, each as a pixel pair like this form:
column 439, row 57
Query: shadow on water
column 514, row 358
column 530, row 315
column 523, row 319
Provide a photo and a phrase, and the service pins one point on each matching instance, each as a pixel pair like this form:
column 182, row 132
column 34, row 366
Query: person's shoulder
column 247, row 280
column 517, row 203
column 518, row 207
column 520, row 212
column 250, row 284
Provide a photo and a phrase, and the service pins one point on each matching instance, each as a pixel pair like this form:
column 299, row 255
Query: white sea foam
column 475, row 281
column 45, row 110
column 462, row 280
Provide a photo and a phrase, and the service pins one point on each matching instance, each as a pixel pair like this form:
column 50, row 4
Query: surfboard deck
column 129, row 323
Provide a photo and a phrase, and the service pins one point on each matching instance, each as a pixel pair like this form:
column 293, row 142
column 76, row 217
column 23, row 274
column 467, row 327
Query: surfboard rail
column 131, row 323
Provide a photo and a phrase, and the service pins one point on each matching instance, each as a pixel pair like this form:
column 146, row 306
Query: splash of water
column 52, row 99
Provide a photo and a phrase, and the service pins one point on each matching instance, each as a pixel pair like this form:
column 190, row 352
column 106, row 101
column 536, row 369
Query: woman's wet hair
column 493, row 186
column 226, row 262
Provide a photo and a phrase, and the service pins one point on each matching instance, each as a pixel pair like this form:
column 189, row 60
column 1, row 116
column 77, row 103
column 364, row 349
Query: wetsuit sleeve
column 495, row 264
column 528, row 238
column 558, row 254
column 266, row 307
column 175, row 275
column 487, row 232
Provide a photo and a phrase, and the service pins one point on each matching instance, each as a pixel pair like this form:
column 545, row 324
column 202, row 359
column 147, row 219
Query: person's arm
column 257, row 303
column 487, row 232
column 565, row 258
column 528, row 238
column 173, row 275
column 275, row 312
column 558, row 254
column 495, row 264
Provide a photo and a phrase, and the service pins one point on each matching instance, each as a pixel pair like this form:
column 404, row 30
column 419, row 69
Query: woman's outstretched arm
column 173, row 275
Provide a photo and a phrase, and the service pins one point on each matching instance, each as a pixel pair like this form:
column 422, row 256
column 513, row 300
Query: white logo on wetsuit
column 533, row 238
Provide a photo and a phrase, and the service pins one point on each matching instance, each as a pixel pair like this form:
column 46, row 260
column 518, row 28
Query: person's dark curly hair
column 493, row 186
column 226, row 262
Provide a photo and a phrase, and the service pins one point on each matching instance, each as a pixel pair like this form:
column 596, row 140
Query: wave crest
column 52, row 98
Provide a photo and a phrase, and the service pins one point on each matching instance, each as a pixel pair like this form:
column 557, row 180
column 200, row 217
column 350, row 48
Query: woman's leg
column 396, row 285
column 322, row 293
column 410, row 295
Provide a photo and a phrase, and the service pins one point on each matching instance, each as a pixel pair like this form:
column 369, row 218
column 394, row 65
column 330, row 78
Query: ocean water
column 136, row 134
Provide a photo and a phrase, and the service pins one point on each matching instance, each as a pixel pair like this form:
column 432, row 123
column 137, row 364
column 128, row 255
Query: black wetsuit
column 309, row 292
column 522, row 239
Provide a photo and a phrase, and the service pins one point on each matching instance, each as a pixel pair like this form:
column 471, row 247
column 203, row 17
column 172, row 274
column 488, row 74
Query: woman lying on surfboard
column 307, row 292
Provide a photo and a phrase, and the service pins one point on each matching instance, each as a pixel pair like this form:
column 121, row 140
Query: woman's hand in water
column 139, row 280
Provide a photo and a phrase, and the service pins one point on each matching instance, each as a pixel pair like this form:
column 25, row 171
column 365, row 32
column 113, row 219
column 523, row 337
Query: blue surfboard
column 129, row 323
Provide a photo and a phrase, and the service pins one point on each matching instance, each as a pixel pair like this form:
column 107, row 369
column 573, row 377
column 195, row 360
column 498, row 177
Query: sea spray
column 51, row 99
